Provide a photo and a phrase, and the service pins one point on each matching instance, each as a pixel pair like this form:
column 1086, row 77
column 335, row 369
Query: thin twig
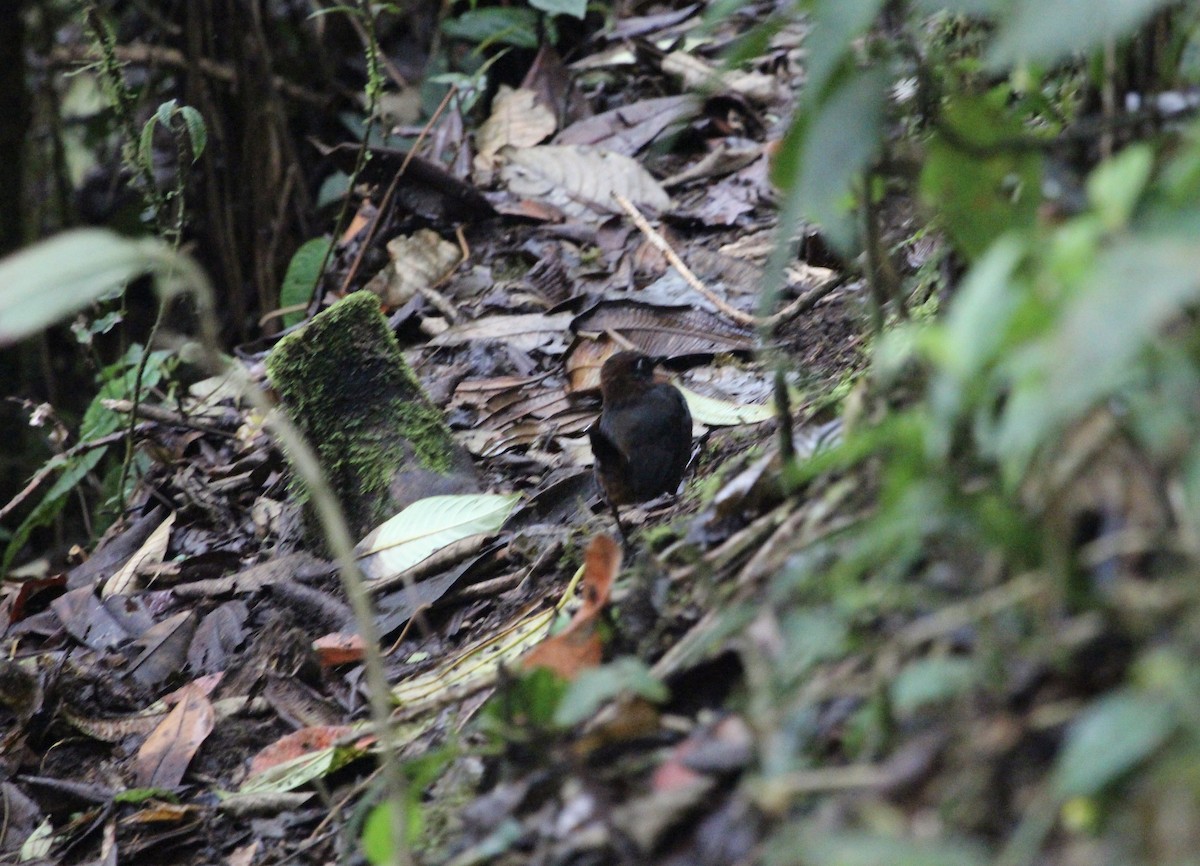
column 385, row 202
column 163, row 415
column 802, row 304
column 52, row 464
column 660, row 243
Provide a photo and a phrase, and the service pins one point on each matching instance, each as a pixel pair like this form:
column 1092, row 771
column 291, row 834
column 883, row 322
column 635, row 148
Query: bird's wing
column 604, row 448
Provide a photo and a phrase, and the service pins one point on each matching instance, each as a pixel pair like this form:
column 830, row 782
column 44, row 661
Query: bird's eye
column 645, row 365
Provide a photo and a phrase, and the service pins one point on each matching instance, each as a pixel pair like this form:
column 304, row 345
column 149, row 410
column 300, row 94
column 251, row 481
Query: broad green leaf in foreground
column 930, row 680
column 1047, row 30
column 50, row 280
column 427, row 526
column 865, row 849
column 1101, row 334
column 827, row 148
column 596, row 686
column 574, row 8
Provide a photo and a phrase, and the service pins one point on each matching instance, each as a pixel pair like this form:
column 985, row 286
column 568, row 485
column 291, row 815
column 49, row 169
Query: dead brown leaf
column 581, row 180
column 519, row 119
column 164, row 757
column 577, row 647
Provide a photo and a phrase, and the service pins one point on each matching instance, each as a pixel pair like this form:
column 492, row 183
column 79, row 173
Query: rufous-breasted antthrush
column 642, row 440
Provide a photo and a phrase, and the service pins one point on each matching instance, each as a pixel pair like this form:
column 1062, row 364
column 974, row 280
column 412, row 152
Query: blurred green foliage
column 1067, row 353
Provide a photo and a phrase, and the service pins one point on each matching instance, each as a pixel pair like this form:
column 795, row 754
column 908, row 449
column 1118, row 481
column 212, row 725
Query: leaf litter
column 250, row 601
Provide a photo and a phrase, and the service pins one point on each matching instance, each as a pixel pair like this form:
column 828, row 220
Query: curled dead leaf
column 577, row 647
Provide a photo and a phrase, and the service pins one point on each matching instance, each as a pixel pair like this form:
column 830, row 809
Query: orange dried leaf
column 300, row 743
column 338, row 649
column 578, row 647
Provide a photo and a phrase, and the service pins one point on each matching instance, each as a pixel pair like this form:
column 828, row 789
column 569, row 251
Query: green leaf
column 980, row 197
column 52, row 502
column 511, row 25
column 378, row 844
column 574, row 8
column 529, row 699
column 145, row 153
column 137, row 796
column 1111, row 737
column 1047, row 30
column 165, row 112
column 976, row 332
column 835, row 24
column 863, row 849
column 1116, row 185
column 1136, row 286
column 427, row 526
column 596, row 686
column 825, row 151
column 722, row 413
column 54, row 278
column 98, row 421
column 197, row 131
column 931, row 680
column 974, row 8
column 303, row 271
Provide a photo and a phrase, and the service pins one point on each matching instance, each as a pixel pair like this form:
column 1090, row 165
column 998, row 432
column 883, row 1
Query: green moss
column 344, row 381
column 426, row 429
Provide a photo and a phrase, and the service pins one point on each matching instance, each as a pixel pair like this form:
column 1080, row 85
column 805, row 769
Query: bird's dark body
column 643, row 439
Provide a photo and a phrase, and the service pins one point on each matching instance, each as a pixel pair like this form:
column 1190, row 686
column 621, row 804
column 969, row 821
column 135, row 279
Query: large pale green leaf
column 865, row 849
column 1047, row 30
column 1137, row 286
column 722, row 413
column 574, row 8
column 57, row 277
column 928, row 681
column 1116, row 185
column 596, row 686
column 1113, row 736
column 427, row 526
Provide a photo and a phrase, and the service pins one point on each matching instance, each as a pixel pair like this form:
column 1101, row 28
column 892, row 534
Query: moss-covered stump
column 344, row 383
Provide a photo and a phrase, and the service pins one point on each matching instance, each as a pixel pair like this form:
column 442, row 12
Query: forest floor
column 192, row 691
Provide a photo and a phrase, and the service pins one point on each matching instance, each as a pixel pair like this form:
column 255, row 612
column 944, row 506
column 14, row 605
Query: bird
column 642, row 440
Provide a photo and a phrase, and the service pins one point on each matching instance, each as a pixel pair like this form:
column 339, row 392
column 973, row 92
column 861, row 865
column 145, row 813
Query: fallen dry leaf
column 164, row 757
column 580, row 180
column 338, row 649
column 519, row 119
column 628, row 128
column 577, row 647
column 151, row 552
column 696, row 74
column 303, row 742
column 419, row 261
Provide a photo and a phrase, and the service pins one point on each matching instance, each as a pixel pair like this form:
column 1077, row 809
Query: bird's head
column 626, row 374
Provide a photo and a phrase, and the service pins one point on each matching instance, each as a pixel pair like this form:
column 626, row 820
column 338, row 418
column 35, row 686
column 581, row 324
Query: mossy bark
column 383, row 445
